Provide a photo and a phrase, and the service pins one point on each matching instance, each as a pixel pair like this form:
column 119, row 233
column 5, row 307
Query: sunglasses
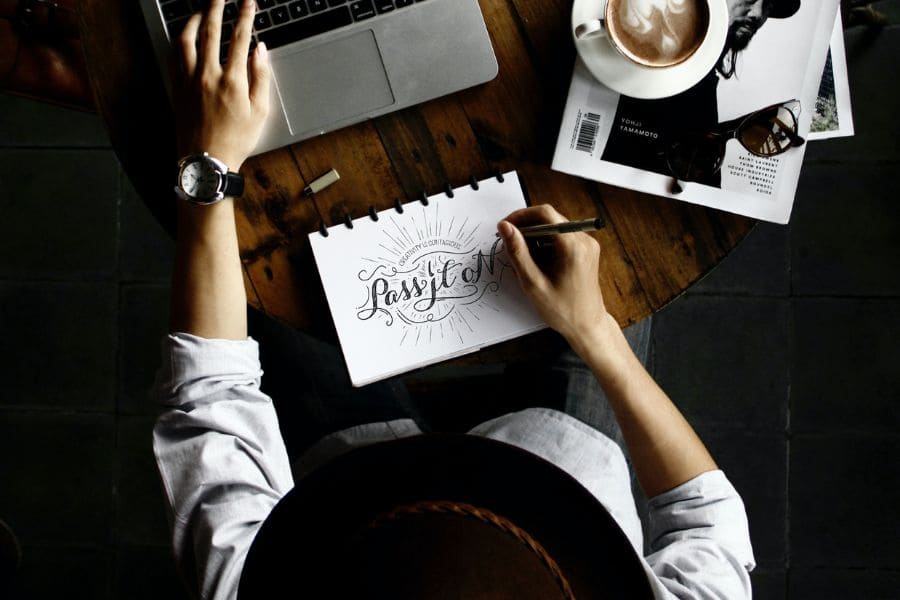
column 767, row 132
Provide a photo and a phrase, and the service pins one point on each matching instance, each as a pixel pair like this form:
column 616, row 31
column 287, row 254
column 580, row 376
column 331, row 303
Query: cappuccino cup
column 650, row 33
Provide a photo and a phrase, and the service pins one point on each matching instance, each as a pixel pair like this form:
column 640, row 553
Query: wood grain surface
column 653, row 248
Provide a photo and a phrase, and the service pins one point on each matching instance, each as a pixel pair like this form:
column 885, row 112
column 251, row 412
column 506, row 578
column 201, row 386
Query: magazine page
column 834, row 117
column 633, row 143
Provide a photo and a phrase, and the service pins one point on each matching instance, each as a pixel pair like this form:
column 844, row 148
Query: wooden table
column 653, row 248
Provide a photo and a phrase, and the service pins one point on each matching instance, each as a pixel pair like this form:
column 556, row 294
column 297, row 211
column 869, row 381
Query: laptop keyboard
column 281, row 22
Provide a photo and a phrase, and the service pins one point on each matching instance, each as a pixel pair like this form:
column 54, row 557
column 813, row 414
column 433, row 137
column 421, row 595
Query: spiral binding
column 398, row 206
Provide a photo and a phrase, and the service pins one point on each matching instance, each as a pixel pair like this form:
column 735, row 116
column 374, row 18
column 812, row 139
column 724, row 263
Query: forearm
column 221, row 111
column 220, row 455
column 664, row 448
column 208, row 296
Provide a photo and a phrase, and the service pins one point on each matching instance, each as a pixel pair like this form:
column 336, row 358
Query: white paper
column 834, row 116
column 784, row 61
column 424, row 285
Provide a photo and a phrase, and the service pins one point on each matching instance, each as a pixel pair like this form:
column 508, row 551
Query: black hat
column 782, row 9
column 441, row 516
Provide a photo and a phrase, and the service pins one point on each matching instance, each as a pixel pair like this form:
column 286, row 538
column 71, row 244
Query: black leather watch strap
column 234, row 185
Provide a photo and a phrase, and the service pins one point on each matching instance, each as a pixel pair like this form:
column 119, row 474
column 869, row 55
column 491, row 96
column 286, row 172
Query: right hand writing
column 567, row 295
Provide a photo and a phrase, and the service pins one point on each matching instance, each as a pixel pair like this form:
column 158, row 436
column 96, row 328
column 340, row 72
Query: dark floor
column 784, row 359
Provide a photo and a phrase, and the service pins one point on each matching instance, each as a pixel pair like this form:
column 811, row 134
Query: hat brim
column 295, row 546
column 784, row 9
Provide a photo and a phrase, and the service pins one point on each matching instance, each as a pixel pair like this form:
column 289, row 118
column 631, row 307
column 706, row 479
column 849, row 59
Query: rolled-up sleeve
column 220, row 455
column 700, row 540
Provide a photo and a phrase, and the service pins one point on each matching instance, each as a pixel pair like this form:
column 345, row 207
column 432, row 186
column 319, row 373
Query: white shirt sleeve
column 700, row 540
column 220, row 455
column 581, row 451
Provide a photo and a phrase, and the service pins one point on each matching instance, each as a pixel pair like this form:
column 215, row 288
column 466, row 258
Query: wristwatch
column 205, row 180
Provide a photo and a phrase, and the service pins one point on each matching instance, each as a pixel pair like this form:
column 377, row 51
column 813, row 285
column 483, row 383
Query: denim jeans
column 311, row 389
column 568, row 385
column 313, row 395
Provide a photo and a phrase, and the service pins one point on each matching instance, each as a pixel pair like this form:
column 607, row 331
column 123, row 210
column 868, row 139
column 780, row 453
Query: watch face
column 199, row 180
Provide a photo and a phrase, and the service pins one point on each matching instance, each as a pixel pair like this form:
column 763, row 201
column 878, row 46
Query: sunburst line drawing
column 491, row 306
column 454, row 327
column 459, row 233
column 423, row 226
column 389, row 249
column 463, row 319
column 472, row 234
column 397, row 243
column 402, row 231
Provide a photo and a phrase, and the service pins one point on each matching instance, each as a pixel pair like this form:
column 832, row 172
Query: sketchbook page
column 430, row 283
column 622, row 141
column 834, row 115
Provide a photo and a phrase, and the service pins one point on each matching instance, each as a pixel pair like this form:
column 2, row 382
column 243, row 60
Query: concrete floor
column 784, row 359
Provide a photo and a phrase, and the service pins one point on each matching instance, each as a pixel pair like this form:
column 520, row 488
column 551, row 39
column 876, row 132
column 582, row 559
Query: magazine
column 833, row 117
column 627, row 142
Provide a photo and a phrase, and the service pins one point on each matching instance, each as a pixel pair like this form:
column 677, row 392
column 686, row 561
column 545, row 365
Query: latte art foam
column 658, row 33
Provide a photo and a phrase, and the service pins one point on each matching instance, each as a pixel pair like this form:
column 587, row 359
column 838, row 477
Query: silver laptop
column 339, row 62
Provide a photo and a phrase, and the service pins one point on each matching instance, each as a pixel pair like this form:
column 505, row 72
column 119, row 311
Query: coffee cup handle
column 590, row 29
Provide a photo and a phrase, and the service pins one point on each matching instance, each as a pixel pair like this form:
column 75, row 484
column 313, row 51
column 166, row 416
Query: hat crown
column 309, row 538
column 443, row 549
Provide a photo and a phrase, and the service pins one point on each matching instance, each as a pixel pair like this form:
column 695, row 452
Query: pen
column 532, row 231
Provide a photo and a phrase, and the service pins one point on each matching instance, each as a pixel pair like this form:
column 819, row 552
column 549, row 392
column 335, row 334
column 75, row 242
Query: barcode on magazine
column 588, row 128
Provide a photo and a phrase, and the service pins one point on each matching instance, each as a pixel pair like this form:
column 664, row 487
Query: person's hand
column 566, row 292
column 220, row 109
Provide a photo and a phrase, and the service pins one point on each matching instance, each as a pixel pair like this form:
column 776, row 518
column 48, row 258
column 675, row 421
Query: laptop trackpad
column 332, row 82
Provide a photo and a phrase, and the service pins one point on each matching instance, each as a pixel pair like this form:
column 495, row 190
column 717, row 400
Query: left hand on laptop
column 220, row 108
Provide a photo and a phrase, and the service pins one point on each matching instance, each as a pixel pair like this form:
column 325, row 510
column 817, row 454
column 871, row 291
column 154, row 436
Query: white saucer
column 615, row 71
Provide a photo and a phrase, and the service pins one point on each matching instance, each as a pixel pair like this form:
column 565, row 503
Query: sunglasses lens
column 769, row 132
column 694, row 158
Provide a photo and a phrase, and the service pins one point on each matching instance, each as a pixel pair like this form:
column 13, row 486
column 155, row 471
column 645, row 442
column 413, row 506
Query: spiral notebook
column 423, row 282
